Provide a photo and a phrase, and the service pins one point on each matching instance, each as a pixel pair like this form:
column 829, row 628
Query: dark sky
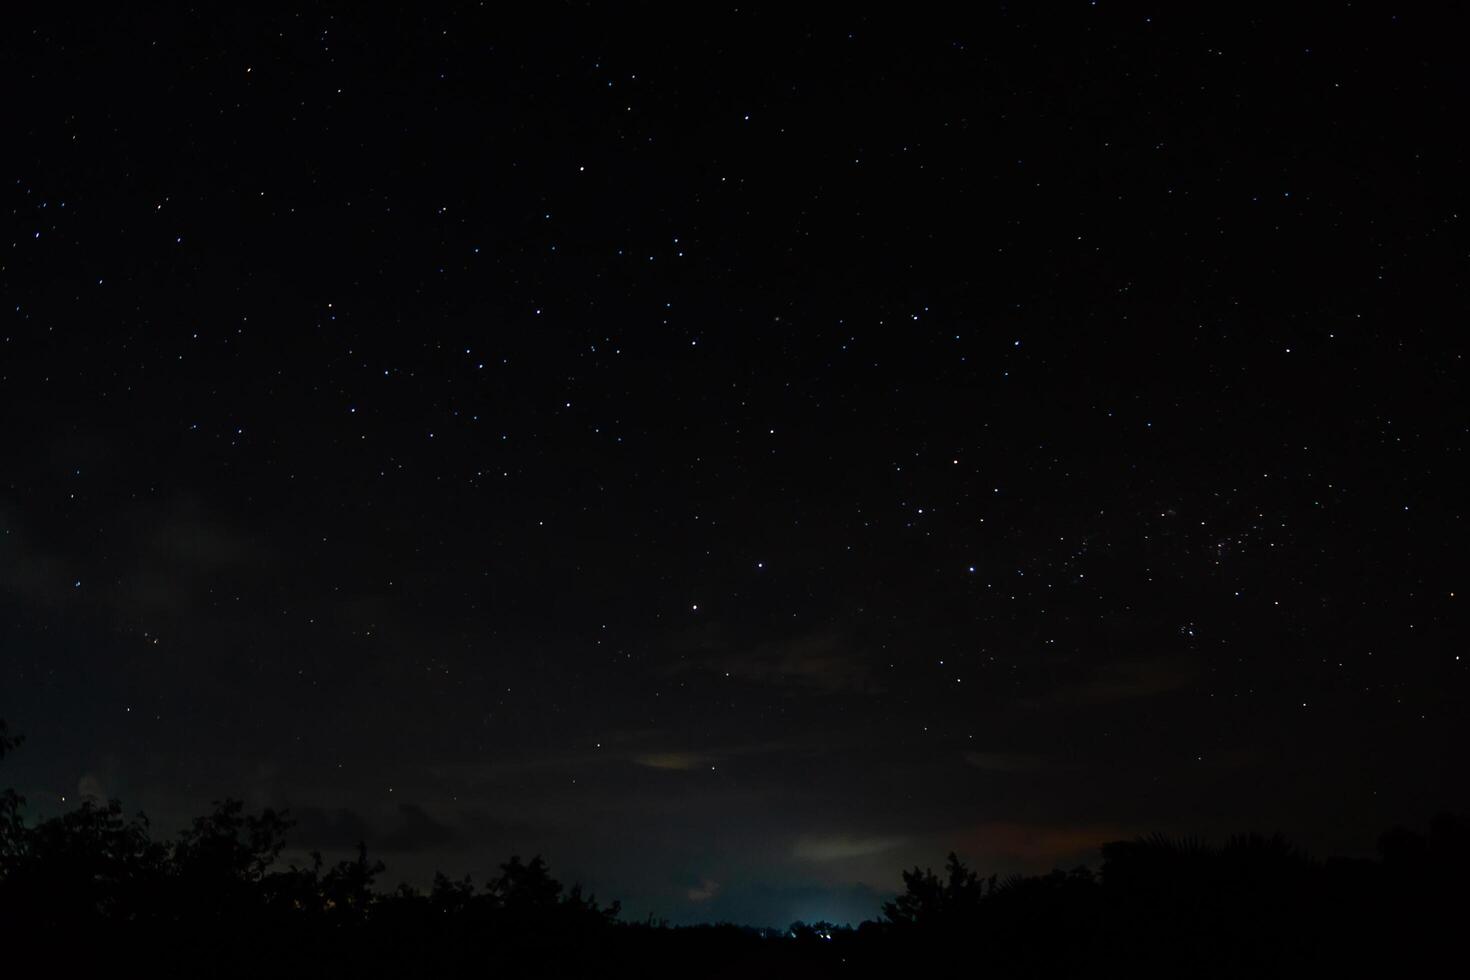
column 736, row 454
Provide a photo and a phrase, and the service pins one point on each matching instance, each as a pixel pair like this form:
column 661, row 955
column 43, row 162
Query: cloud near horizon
column 840, row 847
column 1034, row 844
column 704, row 891
column 680, row 761
column 823, row 661
column 1004, row 761
column 1126, row 680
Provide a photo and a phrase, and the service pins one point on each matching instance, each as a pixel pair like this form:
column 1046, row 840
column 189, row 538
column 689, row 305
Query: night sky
column 737, row 454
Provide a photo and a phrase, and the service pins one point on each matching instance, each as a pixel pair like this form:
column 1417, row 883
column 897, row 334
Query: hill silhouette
column 92, row 890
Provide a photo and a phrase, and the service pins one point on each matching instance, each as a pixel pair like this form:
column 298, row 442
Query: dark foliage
column 92, row 889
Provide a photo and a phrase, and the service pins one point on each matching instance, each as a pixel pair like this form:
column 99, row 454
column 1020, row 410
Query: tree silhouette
column 347, row 889
column 928, row 900
column 220, row 863
column 11, row 802
column 8, row 742
column 89, row 863
column 523, row 886
column 217, row 901
column 452, row 897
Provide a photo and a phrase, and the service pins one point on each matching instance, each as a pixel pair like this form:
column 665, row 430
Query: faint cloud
column 1126, row 680
column 824, row 660
column 180, row 553
column 336, row 827
column 1036, row 844
column 837, row 848
column 1004, row 761
column 168, row 558
column 90, row 787
column 482, row 825
column 29, row 571
column 415, row 830
column 672, row 760
column 704, row 891
column 407, row 829
column 190, row 538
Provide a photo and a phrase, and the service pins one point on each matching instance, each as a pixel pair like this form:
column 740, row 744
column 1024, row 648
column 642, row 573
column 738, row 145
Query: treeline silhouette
column 92, row 890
